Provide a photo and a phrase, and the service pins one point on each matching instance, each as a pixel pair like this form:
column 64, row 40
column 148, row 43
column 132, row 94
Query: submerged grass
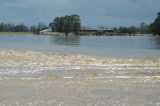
column 15, row 33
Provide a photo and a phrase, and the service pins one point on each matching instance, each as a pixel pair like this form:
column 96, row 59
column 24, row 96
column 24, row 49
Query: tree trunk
column 76, row 33
column 66, row 33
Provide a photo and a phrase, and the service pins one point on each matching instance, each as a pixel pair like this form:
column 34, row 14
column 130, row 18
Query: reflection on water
column 157, row 42
column 111, row 46
column 66, row 40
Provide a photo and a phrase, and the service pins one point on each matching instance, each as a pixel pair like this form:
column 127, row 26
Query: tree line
column 153, row 28
column 13, row 28
column 60, row 24
column 72, row 23
column 142, row 29
column 22, row 28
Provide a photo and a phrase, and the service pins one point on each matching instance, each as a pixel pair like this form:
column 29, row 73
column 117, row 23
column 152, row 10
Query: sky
column 93, row 13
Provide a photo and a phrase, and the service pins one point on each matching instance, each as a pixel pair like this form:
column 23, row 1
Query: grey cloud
column 92, row 12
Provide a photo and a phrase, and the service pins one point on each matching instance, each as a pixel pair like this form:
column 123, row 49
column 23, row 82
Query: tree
column 123, row 30
column 130, row 30
column 155, row 26
column 34, row 29
column 133, row 29
column 3, row 27
column 21, row 28
column 52, row 26
column 11, row 27
column 76, row 24
column 67, row 24
column 144, row 28
column 115, row 29
column 41, row 26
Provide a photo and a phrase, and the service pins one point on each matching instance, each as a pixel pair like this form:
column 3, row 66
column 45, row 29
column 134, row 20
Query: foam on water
column 115, row 67
column 29, row 63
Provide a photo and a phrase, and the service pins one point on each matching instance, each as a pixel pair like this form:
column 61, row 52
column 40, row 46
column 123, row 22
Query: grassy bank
column 15, row 33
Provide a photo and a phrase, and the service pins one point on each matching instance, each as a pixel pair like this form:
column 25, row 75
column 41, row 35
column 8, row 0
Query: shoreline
column 70, row 34
column 16, row 33
column 48, row 32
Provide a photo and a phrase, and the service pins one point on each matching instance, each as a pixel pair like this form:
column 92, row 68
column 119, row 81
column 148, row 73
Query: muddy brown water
column 30, row 78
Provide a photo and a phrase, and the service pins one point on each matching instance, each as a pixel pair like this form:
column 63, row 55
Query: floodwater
column 145, row 46
column 40, row 70
column 30, row 78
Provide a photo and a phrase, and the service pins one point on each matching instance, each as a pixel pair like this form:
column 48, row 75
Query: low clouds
column 93, row 12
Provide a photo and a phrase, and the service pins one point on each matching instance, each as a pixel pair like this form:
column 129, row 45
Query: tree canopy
column 67, row 24
column 13, row 28
column 22, row 28
column 155, row 26
column 142, row 29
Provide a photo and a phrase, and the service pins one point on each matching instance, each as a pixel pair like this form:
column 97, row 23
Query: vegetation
column 142, row 29
column 13, row 28
column 21, row 28
column 15, row 33
column 71, row 24
column 66, row 24
column 36, row 29
column 155, row 26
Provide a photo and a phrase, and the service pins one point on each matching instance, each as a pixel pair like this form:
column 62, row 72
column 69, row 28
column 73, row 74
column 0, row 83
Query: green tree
column 21, row 28
column 155, row 26
column 34, row 29
column 2, row 27
column 7, row 27
column 52, row 26
column 41, row 26
column 11, row 27
column 115, row 29
column 133, row 29
column 67, row 24
column 144, row 28
column 123, row 29
column 76, row 24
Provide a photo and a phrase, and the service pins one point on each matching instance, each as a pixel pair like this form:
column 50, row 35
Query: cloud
column 93, row 12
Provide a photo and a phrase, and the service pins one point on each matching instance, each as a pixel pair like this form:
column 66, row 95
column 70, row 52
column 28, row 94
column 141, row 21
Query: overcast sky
column 108, row 13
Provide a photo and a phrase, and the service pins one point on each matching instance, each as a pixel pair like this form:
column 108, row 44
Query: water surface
column 111, row 46
column 44, row 79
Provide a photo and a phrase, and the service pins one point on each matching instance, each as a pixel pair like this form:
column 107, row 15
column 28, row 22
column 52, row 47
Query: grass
column 15, row 33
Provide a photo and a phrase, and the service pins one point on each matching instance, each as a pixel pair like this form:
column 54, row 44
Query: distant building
column 46, row 30
column 89, row 31
column 83, row 31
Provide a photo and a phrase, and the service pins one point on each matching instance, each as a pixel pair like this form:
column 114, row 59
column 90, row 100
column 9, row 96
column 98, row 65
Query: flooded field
column 140, row 46
column 30, row 78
